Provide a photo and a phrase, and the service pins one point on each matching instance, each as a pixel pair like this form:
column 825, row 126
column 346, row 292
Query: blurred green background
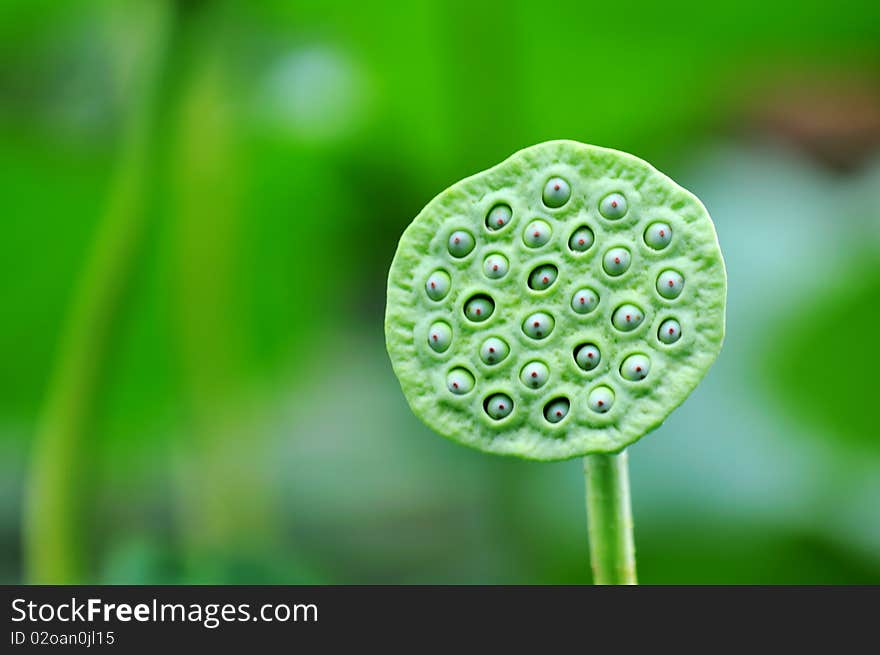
column 201, row 200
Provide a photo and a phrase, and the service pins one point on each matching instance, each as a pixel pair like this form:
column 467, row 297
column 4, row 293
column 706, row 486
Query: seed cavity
column 494, row 350
column 556, row 409
column 537, row 233
column 587, row 356
column 669, row 331
column 495, row 266
column 670, row 284
column 498, row 216
column 498, row 406
column 439, row 336
column 616, row 261
column 556, row 192
column 613, row 206
column 538, row 325
column 543, row 277
column 461, row 242
column 658, row 235
column 479, row 307
column 437, row 285
column 627, row 317
column 459, row 381
column 581, row 239
column 584, row 300
column 601, row 399
column 534, row 374
column 635, row 367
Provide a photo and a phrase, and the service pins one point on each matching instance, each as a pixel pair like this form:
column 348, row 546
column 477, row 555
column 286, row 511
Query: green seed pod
column 556, row 192
column 670, row 284
column 534, row 374
column 537, row 233
column 581, row 239
column 635, row 367
column 504, row 411
column 460, row 243
column 613, row 206
column 556, row 410
column 494, row 350
column 438, row 284
column 543, row 277
column 459, row 381
column 616, row 261
column 499, row 216
column 584, row 300
column 587, row 356
column 495, row 266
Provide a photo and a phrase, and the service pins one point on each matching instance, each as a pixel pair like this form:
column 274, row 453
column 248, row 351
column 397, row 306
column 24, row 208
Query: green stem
column 609, row 517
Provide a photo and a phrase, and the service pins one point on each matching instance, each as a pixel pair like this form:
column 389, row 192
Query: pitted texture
column 521, row 183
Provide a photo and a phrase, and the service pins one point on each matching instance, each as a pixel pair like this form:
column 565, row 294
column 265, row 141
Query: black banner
column 135, row 619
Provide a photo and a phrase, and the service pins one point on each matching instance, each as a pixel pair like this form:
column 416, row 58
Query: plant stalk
column 609, row 517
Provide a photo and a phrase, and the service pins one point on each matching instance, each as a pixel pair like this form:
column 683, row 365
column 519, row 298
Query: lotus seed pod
column 538, row 325
column 556, row 192
column 601, row 399
column 616, row 261
column 495, row 266
column 635, row 367
column 613, row 206
column 440, row 336
column 669, row 284
column 534, row 375
column 438, row 284
column 536, row 234
column 584, row 300
column 556, row 410
column 498, row 217
column 669, row 331
column 543, row 277
column 494, row 350
column 606, row 412
column 479, row 308
column 587, row 356
column 499, row 406
column 459, row 381
column 627, row 318
column 460, row 243
column 658, row 235
column 581, row 239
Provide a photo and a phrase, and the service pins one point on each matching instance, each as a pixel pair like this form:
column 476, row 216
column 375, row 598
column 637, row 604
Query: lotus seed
column 539, row 325
column 479, row 308
column 494, row 350
column 581, row 239
column 460, row 243
column 635, row 367
column 584, row 300
column 613, row 206
column 459, row 381
column 627, row 317
column 536, row 234
column 600, row 399
column 495, row 266
column 556, row 192
column 543, row 277
column 534, row 374
column 658, row 235
column 616, row 261
column 556, row 410
column 498, row 406
column 670, row 331
column 437, row 285
column 587, row 356
column 669, row 284
column 440, row 336
column 498, row 217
